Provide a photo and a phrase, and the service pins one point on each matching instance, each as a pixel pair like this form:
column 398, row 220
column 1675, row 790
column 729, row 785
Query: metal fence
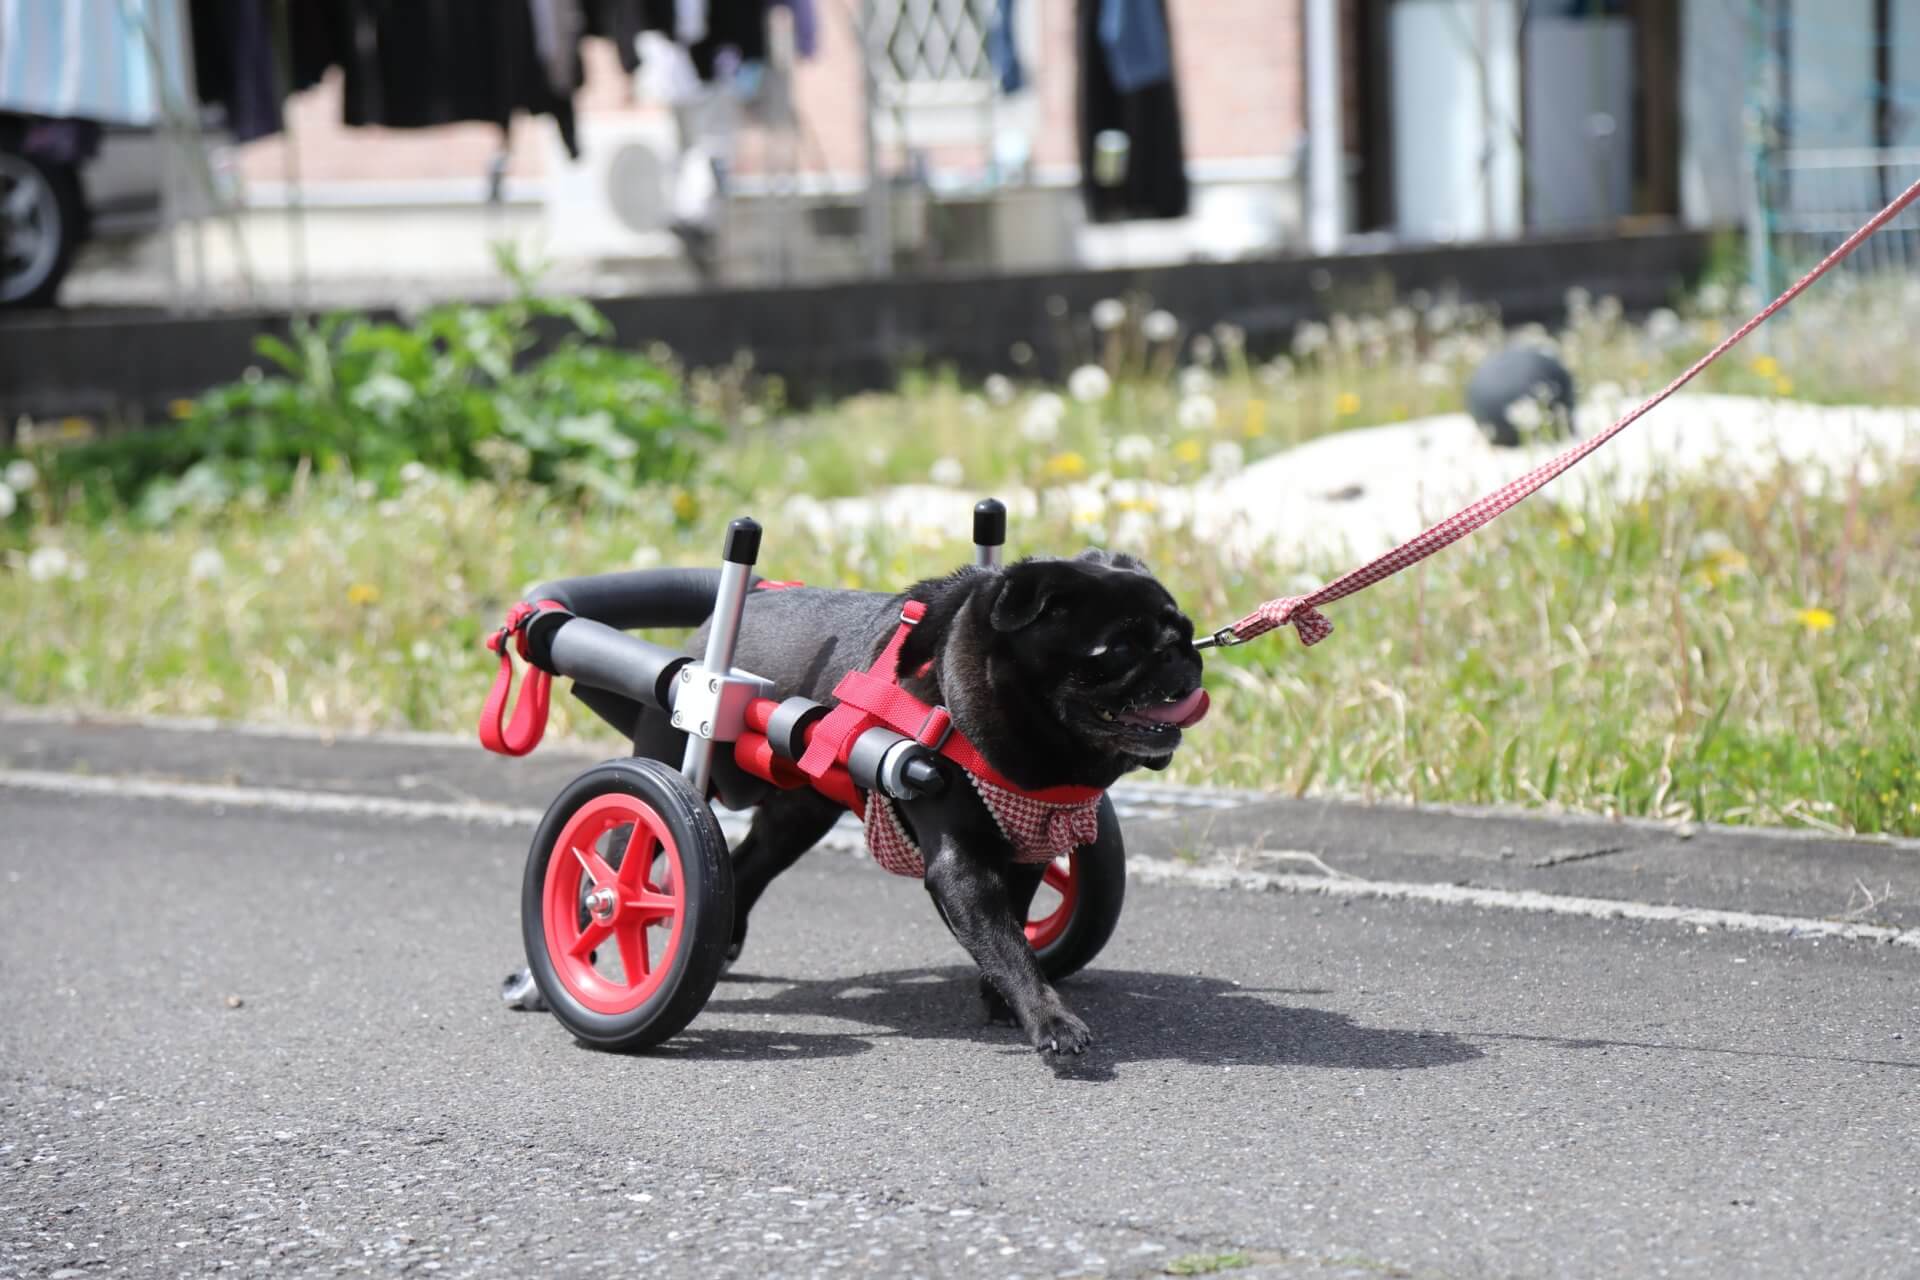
column 1814, row 198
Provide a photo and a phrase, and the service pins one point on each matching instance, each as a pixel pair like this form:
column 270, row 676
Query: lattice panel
column 934, row 41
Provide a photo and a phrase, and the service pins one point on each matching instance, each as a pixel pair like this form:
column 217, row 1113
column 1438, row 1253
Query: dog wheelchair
column 627, row 904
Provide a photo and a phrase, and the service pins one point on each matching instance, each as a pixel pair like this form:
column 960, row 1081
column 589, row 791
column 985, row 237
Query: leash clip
column 1224, row 638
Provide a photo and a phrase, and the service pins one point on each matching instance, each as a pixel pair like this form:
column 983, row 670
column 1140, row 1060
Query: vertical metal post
column 989, row 531
column 1483, row 48
column 1761, row 104
column 1326, row 134
column 874, row 229
column 742, row 550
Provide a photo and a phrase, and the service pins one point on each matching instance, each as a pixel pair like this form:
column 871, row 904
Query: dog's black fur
column 1038, row 663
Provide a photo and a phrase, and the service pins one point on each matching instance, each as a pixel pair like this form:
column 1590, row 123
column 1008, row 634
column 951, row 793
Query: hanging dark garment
column 620, row 21
column 234, row 64
column 1155, row 182
column 414, row 64
column 739, row 25
column 319, row 35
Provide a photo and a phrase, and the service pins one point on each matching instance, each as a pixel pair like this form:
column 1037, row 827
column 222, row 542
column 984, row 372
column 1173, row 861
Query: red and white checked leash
column 1303, row 612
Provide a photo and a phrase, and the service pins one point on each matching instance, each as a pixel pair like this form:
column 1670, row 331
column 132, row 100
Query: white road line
column 1157, row 795
column 280, row 799
column 1159, row 871
column 846, row 839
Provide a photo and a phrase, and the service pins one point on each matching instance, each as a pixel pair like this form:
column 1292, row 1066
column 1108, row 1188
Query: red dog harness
column 1040, row 825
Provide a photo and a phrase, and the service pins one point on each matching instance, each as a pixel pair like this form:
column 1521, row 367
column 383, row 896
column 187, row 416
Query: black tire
column 42, row 221
column 705, row 911
column 1100, row 876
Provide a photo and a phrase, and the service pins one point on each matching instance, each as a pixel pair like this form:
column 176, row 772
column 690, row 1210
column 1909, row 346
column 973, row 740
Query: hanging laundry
column 1002, row 51
column 414, row 64
column 1133, row 34
column 736, row 33
column 806, row 26
column 234, row 64
column 114, row 61
column 557, row 28
column 620, row 21
column 689, row 21
column 1154, row 183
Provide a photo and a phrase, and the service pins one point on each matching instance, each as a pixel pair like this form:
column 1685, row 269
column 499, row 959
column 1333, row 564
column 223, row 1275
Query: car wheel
column 40, row 227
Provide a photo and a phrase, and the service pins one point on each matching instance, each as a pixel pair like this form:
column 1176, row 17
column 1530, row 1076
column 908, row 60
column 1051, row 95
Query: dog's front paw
column 1061, row 1033
column 999, row 1012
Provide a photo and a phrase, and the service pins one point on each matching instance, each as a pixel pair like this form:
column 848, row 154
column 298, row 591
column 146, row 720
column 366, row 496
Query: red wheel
column 614, row 913
column 627, row 904
column 1074, row 911
column 1053, row 905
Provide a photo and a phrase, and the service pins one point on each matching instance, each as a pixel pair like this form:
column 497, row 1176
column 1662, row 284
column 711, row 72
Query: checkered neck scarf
column 1038, row 831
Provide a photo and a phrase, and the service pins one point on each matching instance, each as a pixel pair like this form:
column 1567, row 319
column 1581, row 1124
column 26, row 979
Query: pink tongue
column 1184, row 713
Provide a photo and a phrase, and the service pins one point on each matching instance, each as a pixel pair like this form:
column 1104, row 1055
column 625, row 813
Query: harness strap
column 875, row 697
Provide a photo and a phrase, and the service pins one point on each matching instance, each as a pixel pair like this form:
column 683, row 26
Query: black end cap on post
column 989, row 523
column 743, row 541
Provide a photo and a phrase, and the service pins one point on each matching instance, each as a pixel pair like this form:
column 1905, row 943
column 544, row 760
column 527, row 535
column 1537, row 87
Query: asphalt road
column 267, row 1041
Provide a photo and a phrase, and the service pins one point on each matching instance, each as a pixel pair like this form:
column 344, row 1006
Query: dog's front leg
column 975, row 899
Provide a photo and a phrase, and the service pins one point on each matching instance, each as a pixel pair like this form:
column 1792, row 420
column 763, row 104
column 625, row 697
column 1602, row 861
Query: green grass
column 1701, row 653
column 1208, row 1264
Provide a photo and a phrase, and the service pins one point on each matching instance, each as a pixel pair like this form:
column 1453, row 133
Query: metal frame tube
column 728, row 603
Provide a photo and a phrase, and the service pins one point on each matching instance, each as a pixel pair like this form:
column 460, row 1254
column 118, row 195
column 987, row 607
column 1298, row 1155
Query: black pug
column 1061, row 673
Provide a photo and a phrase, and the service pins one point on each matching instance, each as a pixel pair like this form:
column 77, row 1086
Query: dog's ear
column 1026, row 588
column 944, row 598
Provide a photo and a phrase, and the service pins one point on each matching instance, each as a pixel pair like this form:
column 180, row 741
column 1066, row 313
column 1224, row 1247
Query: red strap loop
column 529, row 722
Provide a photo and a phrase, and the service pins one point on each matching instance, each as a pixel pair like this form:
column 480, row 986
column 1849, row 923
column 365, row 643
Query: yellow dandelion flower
column 685, row 506
column 1256, row 425
column 74, row 428
column 1766, row 366
column 1187, row 451
column 1815, row 619
column 363, row 594
column 1346, row 404
column 178, row 409
column 1065, row 466
column 1783, row 386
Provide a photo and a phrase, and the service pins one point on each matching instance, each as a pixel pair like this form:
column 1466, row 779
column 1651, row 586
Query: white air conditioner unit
column 614, row 201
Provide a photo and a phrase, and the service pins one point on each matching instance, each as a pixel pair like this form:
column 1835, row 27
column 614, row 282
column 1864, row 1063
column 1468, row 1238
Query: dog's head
column 1089, row 657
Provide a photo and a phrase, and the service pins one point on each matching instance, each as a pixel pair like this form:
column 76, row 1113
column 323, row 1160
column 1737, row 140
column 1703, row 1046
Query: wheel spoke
column 648, row 906
column 590, row 937
column 636, row 868
column 1057, row 878
column 596, row 868
column 19, row 202
column 633, row 952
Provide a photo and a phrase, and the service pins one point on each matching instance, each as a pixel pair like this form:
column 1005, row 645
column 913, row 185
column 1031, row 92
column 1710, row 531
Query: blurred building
column 897, row 145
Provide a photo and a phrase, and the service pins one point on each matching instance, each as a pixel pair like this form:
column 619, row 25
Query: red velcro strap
column 529, row 723
column 935, row 728
column 828, row 743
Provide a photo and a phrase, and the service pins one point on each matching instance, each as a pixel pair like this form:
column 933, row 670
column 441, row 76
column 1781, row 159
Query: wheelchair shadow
column 1135, row 1016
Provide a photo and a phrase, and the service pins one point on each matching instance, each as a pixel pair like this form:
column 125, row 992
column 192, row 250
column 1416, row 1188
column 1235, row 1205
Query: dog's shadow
column 1135, row 1016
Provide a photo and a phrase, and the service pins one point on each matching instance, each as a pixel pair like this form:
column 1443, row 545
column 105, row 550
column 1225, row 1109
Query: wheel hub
column 602, row 903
